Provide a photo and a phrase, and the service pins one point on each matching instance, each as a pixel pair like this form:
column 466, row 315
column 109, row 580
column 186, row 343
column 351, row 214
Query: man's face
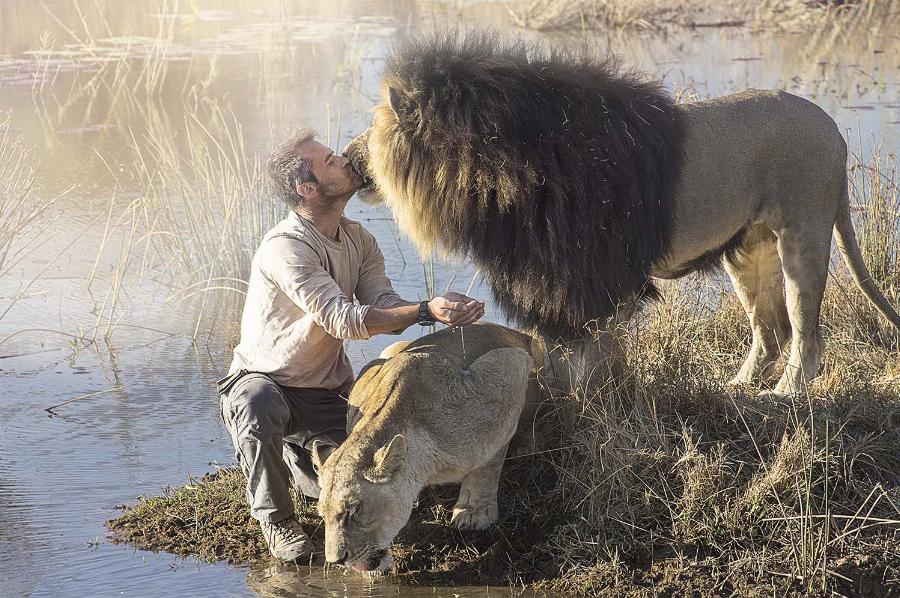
column 334, row 175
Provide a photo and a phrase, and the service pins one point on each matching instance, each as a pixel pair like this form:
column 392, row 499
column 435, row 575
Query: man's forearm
column 452, row 309
column 380, row 320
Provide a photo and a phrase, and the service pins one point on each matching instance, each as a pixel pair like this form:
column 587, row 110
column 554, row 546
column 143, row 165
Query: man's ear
column 305, row 189
column 388, row 460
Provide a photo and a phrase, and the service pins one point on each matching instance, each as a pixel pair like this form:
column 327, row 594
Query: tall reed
column 21, row 210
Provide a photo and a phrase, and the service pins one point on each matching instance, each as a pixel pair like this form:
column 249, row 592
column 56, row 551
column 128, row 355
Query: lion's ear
column 399, row 103
column 388, row 460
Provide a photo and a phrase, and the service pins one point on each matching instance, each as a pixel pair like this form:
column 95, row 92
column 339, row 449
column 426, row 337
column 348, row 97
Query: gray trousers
column 273, row 428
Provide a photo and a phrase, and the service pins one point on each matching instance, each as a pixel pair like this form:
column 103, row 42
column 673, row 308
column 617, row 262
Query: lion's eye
column 347, row 515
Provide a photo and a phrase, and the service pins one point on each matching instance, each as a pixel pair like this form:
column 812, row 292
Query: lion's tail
column 849, row 248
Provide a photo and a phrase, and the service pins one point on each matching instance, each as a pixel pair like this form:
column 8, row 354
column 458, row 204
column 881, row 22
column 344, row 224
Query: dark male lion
column 572, row 184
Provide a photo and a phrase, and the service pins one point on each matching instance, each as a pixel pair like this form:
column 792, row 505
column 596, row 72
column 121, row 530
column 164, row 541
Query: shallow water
column 276, row 65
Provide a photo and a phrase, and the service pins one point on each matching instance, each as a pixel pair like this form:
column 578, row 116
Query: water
column 275, row 65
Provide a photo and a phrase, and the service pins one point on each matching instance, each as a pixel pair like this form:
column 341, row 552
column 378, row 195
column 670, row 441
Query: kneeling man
column 287, row 385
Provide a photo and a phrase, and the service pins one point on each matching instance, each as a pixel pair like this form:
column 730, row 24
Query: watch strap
column 425, row 317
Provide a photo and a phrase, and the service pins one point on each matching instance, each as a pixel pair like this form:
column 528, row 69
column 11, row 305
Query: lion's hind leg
column 756, row 273
column 804, row 259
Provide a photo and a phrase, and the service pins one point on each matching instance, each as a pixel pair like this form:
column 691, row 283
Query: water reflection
column 291, row 581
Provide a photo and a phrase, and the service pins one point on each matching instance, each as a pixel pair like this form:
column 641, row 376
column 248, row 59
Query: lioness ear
column 320, row 453
column 388, row 460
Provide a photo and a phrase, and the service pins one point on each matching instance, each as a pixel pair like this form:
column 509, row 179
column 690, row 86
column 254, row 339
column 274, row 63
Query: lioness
column 433, row 413
column 572, row 184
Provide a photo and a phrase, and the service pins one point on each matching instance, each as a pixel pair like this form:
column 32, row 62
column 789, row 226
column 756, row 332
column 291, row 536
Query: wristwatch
column 425, row 317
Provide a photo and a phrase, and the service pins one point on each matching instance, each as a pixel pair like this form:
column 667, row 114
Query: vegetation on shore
column 668, row 481
column 829, row 17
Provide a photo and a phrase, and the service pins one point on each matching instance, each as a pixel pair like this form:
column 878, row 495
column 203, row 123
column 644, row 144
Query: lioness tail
column 849, row 248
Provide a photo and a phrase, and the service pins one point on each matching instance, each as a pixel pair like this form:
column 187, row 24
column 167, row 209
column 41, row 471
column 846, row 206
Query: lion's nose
column 341, row 561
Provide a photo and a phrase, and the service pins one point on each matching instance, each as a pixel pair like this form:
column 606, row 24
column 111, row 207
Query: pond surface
column 273, row 65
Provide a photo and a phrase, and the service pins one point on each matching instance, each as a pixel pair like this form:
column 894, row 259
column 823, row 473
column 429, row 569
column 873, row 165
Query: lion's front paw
column 739, row 381
column 773, row 396
column 467, row 517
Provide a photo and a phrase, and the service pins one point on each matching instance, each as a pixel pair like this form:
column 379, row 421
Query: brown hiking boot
column 286, row 540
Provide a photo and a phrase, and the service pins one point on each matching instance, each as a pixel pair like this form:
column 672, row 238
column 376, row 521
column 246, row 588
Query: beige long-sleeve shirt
column 299, row 305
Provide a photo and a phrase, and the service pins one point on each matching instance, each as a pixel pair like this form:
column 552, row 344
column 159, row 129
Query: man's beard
column 331, row 194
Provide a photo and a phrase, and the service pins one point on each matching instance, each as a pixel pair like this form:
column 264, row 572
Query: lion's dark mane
column 555, row 173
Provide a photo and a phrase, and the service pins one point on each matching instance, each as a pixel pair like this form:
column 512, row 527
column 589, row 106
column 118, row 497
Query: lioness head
column 366, row 499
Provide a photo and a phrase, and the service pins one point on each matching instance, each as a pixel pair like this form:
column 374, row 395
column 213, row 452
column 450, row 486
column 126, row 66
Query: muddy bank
column 209, row 519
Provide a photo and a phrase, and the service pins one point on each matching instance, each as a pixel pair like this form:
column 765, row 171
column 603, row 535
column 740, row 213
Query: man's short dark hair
column 287, row 169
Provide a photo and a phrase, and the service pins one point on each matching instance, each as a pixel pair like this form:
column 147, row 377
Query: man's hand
column 456, row 309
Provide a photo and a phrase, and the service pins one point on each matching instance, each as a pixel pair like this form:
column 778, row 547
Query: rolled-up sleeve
column 374, row 287
column 296, row 269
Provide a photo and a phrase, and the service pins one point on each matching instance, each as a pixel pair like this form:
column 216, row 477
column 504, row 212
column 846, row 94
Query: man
column 287, row 386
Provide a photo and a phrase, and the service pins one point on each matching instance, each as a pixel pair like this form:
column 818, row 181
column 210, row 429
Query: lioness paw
column 474, row 518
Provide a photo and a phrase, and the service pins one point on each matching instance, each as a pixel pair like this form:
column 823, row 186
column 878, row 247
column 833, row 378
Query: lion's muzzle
column 379, row 561
column 357, row 151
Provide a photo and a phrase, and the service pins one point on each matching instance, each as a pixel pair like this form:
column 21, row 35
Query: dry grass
column 110, row 73
column 204, row 209
column 669, row 482
column 206, row 518
column 17, row 212
column 544, row 15
column 20, row 209
column 204, row 205
column 672, row 466
column 25, row 217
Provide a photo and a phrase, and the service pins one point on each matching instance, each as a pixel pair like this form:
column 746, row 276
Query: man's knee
column 256, row 405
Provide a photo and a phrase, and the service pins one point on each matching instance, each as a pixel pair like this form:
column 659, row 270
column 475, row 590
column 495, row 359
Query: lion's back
column 754, row 119
column 750, row 155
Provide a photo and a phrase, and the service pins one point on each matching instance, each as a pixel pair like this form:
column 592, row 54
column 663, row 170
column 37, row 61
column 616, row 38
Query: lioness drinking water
column 443, row 409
